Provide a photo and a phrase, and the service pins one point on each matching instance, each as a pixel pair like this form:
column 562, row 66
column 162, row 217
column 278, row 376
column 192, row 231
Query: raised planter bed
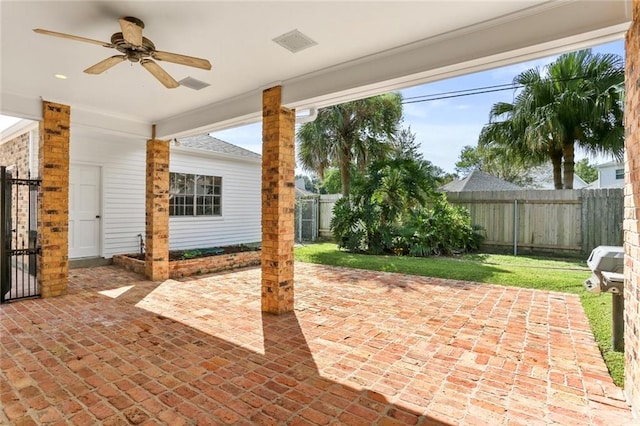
column 230, row 258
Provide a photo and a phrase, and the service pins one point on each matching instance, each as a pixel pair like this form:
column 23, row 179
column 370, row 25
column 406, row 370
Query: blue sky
column 442, row 127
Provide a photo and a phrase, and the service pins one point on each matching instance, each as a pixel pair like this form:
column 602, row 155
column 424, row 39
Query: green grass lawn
column 566, row 276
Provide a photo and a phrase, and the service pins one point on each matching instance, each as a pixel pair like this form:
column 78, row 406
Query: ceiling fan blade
column 162, row 76
column 102, row 66
column 72, row 37
column 131, row 32
column 189, row 61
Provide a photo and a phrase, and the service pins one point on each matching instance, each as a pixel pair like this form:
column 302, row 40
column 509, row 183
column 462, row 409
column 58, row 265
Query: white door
column 84, row 211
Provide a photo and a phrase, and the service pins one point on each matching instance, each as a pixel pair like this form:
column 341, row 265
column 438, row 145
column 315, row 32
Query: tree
column 586, row 171
column 496, row 162
column 368, row 219
column 404, row 145
column 393, row 208
column 355, row 133
column 576, row 100
column 331, row 183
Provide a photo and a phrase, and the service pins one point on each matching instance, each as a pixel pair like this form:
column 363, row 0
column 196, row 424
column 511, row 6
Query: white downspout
column 313, row 114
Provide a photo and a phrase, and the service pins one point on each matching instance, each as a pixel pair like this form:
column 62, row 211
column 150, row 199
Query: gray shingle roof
column 479, row 181
column 211, row 144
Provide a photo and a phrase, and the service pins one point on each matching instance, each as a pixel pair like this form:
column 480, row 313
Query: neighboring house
column 479, row 181
column 542, row 178
column 610, row 175
column 215, row 190
column 301, row 189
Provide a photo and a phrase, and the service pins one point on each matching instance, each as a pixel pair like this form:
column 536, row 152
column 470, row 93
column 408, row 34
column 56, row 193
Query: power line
column 468, row 93
column 506, row 85
column 476, row 91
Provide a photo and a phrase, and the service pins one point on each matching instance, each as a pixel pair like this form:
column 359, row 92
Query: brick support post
column 53, row 205
column 278, row 201
column 632, row 214
column 157, row 211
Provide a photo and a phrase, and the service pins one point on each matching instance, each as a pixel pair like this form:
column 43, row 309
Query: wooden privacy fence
column 569, row 220
column 327, row 201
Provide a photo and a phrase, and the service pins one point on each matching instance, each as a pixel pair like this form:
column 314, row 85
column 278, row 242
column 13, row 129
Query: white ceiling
column 363, row 48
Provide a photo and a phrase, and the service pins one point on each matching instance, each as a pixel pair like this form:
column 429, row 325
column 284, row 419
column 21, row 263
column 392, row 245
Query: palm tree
column 355, row 133
column 576, row 100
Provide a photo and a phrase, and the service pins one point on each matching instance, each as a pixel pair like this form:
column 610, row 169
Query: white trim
column 214, row 154
column 18, row 129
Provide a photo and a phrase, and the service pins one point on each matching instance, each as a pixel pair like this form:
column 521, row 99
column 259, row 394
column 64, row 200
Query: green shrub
column 190, row 254
column 373, row 221
column 442, row 229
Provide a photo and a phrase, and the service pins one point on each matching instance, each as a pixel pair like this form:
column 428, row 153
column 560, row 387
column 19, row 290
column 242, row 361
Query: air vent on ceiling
column 294, row 41
column 192, row 83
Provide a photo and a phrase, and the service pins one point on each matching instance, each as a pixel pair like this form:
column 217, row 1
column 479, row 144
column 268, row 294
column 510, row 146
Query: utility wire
column 476, row 91
column 468, row 93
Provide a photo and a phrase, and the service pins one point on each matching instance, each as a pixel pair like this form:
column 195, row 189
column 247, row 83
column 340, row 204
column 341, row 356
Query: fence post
column 515, row 227
column 5, row 237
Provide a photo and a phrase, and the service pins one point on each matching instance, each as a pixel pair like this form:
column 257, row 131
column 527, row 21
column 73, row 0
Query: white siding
column 123, row 186
column 241, row 203
column 607, row 176
column 123, row 195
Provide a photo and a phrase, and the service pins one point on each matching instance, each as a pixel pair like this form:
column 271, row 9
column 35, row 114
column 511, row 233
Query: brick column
column 53, row 205
column 632, row 214
column 157, row 211
column 278, row 201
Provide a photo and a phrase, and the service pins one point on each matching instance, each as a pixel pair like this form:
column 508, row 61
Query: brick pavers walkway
column 361, row 348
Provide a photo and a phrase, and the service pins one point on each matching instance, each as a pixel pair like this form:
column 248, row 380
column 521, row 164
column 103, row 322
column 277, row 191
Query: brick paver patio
column 361, row 348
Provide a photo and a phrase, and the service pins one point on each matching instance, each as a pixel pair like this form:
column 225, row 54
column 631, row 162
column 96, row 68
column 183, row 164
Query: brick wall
column 190, row 267
column 53, row 205
column 632, row 214
column 157, row 210
column 278, row 203
column 14, row 154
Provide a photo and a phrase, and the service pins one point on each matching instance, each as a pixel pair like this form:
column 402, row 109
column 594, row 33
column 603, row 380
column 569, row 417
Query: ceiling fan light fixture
column 60, row 76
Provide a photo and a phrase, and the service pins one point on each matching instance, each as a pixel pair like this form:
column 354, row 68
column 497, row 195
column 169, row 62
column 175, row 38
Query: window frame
column 619, row 174
column 195, row 195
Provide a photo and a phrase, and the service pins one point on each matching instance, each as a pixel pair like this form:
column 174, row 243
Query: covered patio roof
column 363, row 48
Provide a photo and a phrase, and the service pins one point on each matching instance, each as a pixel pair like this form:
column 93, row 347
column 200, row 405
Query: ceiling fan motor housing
column 133, row 53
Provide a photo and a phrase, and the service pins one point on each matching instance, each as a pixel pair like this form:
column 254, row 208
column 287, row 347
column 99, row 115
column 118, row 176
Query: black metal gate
column 18, row 236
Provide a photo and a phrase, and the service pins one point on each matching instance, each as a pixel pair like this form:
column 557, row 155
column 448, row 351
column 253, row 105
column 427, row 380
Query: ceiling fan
column 135, row 48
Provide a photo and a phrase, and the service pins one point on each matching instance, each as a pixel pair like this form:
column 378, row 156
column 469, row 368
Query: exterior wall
column 632, row 215
column 607, row 176
column 123, row 193
column 14, row 154
column 123, row 187
column 241, row 206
